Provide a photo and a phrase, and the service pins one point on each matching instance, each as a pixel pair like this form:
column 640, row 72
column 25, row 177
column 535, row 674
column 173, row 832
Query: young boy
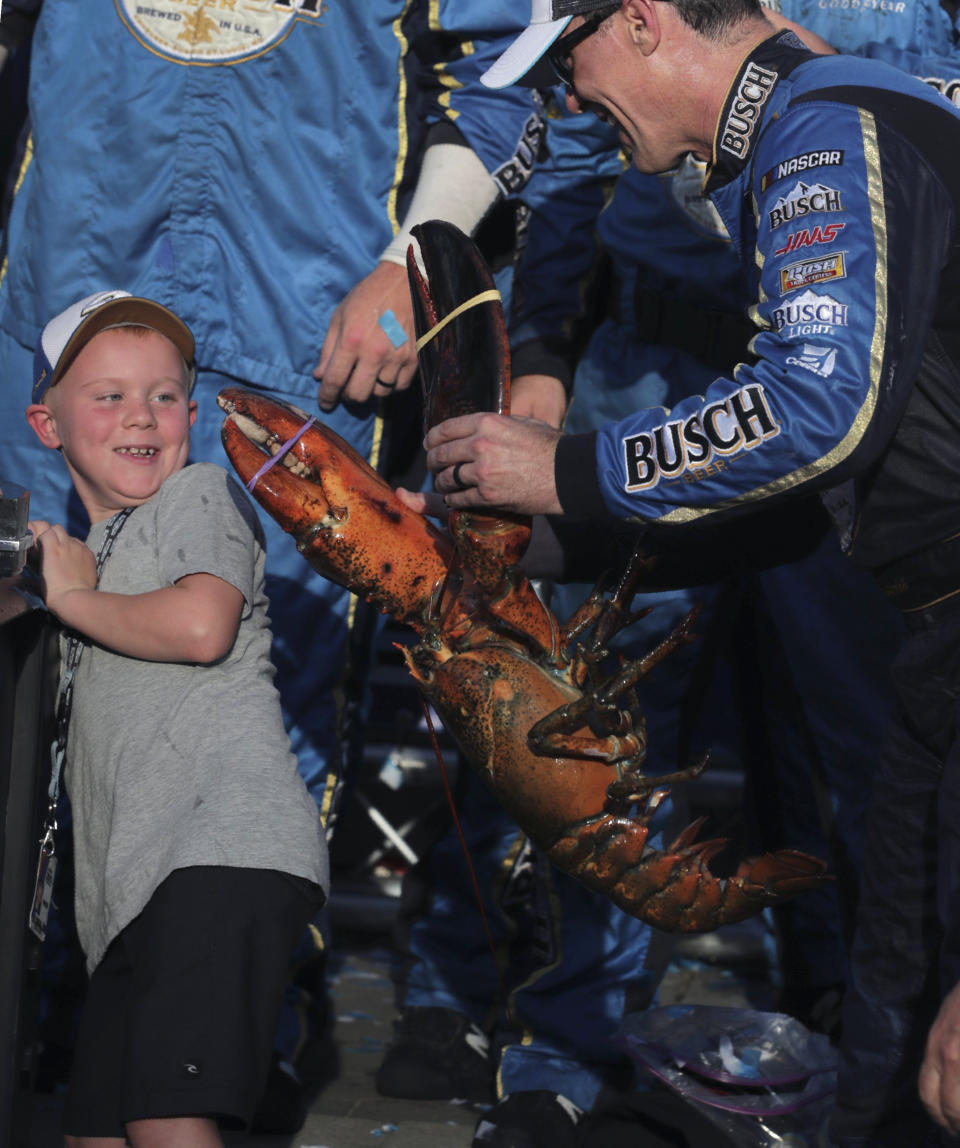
column 199, row 852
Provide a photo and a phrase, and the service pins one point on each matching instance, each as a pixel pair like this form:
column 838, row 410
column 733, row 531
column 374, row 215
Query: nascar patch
column 798, row 163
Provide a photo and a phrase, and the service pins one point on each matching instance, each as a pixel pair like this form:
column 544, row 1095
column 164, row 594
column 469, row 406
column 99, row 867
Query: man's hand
column 539, row 397
column 66, row 564
column 359, row 357
column 487, row 460
column 939, row 1081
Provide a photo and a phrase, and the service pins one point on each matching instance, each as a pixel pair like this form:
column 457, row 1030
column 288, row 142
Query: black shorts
column 181, row 1012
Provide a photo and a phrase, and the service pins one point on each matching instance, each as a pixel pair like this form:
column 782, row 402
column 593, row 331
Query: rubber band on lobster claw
column 274, row 459
column 531, row 700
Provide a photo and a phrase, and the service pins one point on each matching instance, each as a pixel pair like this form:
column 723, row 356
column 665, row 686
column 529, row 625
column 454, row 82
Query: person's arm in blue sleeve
column 481, row 143
column 833, row 370
column 833, row 367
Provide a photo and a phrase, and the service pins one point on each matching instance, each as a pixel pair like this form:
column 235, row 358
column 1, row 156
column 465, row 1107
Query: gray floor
column 349, row 1113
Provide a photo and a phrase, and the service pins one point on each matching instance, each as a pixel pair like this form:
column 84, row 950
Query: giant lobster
column 525, row 697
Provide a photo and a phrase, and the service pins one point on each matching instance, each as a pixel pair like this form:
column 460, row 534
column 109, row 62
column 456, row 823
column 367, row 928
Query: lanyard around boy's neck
column 74, row 647
column 47, row 861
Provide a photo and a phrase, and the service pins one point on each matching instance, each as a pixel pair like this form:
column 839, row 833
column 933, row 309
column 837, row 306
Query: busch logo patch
column 216, row 32
column 819, row 360
column 810, row 271
column 802, row 200
column 513, row 175
column 739, row 422
column 810, row 314
column 798, row 163
column 810, row 237
column 755, row 87
column 949, row 89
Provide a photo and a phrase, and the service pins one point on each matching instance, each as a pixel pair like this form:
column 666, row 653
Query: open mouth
column 137, row 451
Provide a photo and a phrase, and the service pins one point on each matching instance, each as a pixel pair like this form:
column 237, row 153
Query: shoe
column 536, row 1119
column 436, row 1054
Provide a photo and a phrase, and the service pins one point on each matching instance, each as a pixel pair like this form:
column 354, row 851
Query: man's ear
column 43, row 421
column 643, row 24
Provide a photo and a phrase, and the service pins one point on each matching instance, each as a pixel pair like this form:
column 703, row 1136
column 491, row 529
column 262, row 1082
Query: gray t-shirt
column 171, row 765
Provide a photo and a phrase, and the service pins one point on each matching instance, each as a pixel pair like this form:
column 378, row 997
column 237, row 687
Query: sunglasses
column 559, row 54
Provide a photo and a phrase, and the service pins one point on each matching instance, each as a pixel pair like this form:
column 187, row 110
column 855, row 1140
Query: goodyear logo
column 799, row 163
column 684, row 449
column 802, row 200
column 809, row 271
column 753, row 91
column 214, row 31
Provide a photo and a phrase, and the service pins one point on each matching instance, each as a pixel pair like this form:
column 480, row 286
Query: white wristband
column 453, row 185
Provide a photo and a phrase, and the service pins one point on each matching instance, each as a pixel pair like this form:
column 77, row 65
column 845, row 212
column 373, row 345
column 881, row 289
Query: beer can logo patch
column 214, row 31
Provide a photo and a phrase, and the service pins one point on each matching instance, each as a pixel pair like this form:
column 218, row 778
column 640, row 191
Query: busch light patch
column 810, row 314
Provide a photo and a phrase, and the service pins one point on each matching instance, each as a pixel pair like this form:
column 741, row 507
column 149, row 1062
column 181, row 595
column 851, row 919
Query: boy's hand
column 66, row 564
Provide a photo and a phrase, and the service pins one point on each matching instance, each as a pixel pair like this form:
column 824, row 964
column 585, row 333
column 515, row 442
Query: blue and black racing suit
column 838, row 181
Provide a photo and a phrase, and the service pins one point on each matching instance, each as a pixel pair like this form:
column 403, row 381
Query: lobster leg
column 556, row 732
column 673, row 889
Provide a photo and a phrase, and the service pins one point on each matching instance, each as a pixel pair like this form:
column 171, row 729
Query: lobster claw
column 465, row 359
column 345, row 518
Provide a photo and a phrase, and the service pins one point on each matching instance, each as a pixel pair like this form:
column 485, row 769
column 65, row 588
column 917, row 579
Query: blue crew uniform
column 246, row 166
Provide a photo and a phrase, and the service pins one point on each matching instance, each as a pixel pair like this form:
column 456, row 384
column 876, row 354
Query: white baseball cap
column 67, row 333
column 518, row 64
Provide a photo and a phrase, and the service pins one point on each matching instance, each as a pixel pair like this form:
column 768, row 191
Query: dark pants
column 906, row 951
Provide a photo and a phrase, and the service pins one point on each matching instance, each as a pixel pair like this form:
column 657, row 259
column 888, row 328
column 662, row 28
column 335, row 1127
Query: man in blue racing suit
column 838, row 182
